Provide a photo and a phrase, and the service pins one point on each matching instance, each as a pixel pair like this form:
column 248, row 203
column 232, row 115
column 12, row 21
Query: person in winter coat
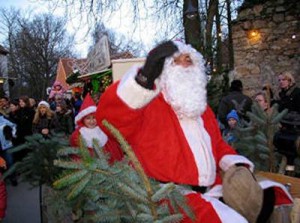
column 26, row 113
column 24, row 126
column 162, row 111
column 65, row 119
column 57, row 89
column 7, row 136
column 229, row 133
column 234, row 100
column 88, row 131
column 289, row 95
column 45, row 121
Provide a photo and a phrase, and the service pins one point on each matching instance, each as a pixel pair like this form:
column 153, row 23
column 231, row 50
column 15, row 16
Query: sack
column 242, row 192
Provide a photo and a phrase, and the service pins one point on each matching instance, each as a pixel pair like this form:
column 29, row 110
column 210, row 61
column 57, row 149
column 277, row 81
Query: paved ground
column 23, row 205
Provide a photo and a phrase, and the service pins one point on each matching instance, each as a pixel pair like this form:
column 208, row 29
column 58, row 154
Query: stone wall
column 266, row 39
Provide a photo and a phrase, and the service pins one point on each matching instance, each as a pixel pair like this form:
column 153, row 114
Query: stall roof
column 93, row 73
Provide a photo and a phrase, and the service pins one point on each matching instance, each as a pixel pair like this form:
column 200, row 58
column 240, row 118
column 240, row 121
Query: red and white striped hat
column 88, row 107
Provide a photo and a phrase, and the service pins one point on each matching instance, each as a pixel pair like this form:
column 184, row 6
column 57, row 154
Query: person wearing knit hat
column 229, row 132
column 45, row 121
column 232, row 115
column 88, row 131
column 161, row 110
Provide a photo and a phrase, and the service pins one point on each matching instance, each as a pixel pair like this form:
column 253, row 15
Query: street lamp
column 191, row 12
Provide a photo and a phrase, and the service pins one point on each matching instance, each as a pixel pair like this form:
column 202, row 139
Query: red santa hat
column 88, row 107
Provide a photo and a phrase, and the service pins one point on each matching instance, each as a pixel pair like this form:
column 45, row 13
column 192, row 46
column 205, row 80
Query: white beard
column 185, row 88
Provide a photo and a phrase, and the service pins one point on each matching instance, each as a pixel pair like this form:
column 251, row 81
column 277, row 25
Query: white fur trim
column 216, row 191
column 131, row 93
column 228, row 160
column 185, row 48
column 85, row 112
column 269, row 183
column 89, row 135
column 200, row 144
column 225, row 213
column 44, row 103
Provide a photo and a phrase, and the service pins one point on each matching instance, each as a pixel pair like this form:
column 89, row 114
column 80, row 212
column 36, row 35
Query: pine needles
column 119, row 192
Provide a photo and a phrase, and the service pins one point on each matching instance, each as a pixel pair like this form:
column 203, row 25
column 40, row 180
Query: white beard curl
column 185, row 88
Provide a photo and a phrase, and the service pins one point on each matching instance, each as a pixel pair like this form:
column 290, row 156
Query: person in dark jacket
column 234, row 100
column 65, row 119
column 45, row 120
column 24, row 127
column 289, row 95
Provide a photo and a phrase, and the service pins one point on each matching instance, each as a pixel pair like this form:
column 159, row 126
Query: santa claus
column 161, row 110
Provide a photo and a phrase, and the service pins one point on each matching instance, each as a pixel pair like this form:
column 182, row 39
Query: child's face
column 90, row 121
column 232, row 122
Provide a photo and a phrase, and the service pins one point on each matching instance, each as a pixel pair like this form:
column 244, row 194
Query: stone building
column 266, row 40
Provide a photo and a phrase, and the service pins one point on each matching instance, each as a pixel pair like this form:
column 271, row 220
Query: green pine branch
column 256, row 140
column 119, row 192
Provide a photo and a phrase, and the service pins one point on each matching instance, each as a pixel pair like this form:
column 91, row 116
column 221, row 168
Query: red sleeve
column 74, row 138
column 3, row 199
column 74, row 142
column 111, row 108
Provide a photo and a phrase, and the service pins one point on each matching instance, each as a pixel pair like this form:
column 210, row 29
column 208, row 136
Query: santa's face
column 184, row 60
column 183, row 83
column 90, row 121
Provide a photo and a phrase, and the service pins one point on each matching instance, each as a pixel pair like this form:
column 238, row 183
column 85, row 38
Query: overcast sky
column 119, row 24
column 40, row 6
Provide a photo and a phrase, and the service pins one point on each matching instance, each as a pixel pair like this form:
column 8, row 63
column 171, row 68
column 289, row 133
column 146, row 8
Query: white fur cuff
column 131, row 93
column 229, row 160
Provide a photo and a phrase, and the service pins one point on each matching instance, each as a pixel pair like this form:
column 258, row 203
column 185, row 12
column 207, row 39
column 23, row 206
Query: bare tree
column 35, row 46
column 169, row 16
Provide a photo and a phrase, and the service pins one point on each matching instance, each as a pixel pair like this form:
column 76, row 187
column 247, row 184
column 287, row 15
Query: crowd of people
column 234, row 106
column 161, row 110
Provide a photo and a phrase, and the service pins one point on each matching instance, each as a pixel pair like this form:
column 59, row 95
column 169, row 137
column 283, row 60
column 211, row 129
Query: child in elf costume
column 88, row 131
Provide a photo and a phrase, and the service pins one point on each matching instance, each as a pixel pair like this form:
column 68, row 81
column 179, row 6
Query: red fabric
column 281, row 197
column 159, row 143
column 87, row 102
column 3, row 198
column 202, row 209
column 111, row 146
column 157, row 138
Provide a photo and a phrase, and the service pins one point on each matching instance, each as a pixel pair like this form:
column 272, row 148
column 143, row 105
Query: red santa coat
column 160, row 142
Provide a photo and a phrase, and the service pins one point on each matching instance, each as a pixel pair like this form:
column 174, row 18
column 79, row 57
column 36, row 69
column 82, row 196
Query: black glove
column 154, row 64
